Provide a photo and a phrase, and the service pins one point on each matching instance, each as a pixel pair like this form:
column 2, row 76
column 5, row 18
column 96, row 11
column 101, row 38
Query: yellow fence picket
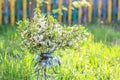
column 109, row 11
column 69, row 11
column 60, row 7
column 90, row 12
column 48, row 7
column 12, row 11
column 118, row 9
column 0, row 11
column 24, row 9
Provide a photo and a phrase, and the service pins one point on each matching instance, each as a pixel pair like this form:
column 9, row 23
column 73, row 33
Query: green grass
column 93, row 61
column 105, row 33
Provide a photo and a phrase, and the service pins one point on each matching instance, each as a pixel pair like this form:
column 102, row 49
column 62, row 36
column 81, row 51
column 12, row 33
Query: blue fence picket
column 75, row 14
column 65, row 12
column 54, row 2
column 85, row 12
column 95, row 10
column 18, row 9
column 104, row 2
column 6, row 12
column 43, row 8
column 114, row 10
column 29, row 8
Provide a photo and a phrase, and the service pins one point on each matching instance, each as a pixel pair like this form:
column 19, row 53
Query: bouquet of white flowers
column 45, row 34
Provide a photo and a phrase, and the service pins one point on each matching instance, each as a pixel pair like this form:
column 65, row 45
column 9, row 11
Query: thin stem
column 45, row 73
column 38, row 75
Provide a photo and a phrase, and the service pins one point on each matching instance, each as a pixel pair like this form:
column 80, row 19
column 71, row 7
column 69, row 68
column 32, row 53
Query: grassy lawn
column 97, row 59
column 105, row 33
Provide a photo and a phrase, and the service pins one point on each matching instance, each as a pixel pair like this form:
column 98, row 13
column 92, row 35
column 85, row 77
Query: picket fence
column 108, row 11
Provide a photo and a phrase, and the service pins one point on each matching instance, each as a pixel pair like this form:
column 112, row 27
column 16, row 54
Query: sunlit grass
column 92, row 61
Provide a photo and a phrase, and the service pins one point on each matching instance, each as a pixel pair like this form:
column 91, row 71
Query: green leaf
column 76, row 4
column 64, row 8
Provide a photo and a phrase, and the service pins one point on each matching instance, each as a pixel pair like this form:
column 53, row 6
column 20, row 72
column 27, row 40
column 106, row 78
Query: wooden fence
column 101, row 10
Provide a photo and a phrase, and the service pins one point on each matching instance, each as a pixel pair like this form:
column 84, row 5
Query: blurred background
column 101, row 11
